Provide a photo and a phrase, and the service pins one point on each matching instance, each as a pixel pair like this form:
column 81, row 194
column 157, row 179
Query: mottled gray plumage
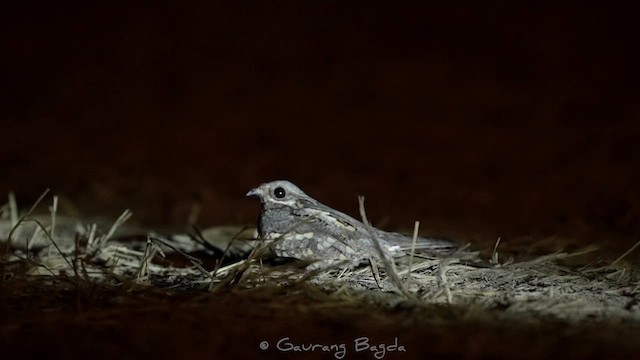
column 308, row 230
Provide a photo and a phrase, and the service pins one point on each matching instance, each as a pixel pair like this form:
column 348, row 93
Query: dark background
column 480, row 121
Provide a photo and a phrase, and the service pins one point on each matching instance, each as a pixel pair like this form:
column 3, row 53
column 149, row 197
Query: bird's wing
column 332, row 216
column 344, row 224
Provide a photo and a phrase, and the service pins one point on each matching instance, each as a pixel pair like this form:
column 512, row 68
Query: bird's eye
column 279, row 192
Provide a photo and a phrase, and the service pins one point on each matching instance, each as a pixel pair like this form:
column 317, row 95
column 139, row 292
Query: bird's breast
column 276, row 221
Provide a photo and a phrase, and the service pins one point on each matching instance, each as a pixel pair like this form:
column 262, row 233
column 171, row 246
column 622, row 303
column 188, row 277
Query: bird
column 300, row 227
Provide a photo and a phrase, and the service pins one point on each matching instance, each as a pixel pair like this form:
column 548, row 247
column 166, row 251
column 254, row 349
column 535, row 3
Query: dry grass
column 546, row 286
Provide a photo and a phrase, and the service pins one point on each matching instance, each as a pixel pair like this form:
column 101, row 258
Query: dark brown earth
column 481, row 122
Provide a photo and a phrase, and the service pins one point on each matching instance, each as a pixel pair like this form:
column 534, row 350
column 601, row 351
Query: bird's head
column 279, row 193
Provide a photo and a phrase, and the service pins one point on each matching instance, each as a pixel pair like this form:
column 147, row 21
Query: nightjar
column 300, row 227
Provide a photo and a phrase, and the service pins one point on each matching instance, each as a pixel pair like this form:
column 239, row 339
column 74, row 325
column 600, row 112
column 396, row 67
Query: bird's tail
column 436, row 246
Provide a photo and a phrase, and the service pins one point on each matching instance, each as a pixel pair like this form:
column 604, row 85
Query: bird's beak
column 253, row 192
